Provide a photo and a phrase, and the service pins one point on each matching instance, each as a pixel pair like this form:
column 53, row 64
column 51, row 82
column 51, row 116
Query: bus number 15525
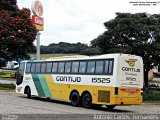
column 100, row 80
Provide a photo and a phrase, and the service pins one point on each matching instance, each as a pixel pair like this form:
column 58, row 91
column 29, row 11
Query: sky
column 82, row 21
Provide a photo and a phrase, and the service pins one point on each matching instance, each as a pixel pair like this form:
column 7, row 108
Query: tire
column 87, row 100
column 75, row 99
column 110, row 107
column 29, row 93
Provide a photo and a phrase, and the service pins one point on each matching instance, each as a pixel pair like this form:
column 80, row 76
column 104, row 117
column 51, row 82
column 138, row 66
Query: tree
column 137, row 34
column 17, row 33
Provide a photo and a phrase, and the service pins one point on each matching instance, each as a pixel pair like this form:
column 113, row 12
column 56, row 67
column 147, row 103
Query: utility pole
column 38, row 22
column 38, row 46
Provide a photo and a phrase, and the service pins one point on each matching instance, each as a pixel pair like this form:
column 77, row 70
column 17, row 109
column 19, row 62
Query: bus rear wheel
column 75, row 99
column 87, row 100
column 110, row 107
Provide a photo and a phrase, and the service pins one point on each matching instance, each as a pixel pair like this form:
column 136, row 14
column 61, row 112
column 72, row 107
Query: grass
column 157, row 102
column 45, row 56
column 151, row 96
column 156, row 81
column 7, row 86
column 6, row 75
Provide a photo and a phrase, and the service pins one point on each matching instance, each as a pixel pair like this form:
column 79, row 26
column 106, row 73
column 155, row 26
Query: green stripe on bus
column 38, row 85
column 44, row 85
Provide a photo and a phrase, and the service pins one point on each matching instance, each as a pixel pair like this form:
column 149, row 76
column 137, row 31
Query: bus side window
column 99, row 67
column 91, row 67
column 68, row 67
column 75, row 66
column 33, row 66
column 54, row 67
column 43, row 67
column 21, row 68
column 106, row 66
column 28, row 68
column 110, row 66
column 49, row 67
column 61, row 67
column 82, row 67
column 38, row 67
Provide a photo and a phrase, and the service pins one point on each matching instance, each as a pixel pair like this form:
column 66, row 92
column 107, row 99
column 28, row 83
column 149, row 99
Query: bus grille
column 104, row 96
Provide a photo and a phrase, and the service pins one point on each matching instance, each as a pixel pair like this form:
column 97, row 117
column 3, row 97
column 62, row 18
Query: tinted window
column 15, row 63
column 28, row 67
column 38, row 67
column 82, row 67
column 33, row 66
column 75, row 66
column 91, row 67
column 99, row 67
column 49, row 67
column 21, row 68
column 68, row 67
column 54, row 67
column 61, row 67
column 110, row 66
column 106, row 66
column 43, row 67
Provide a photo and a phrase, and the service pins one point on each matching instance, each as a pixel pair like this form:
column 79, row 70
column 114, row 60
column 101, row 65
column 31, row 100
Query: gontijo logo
column 37, row 8
column 131, row 62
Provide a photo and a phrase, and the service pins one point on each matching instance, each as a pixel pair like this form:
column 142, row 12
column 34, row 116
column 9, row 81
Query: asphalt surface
column 13, row 103
column 17, row 106
column 7, row 81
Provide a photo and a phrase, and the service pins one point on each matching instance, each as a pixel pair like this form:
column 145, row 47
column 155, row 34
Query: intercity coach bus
column 109, row 79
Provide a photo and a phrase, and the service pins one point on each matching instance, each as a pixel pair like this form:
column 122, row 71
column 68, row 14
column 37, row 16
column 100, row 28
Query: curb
column 7, row 91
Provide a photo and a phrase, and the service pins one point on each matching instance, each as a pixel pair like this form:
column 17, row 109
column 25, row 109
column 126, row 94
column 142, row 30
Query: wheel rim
column 86, row 101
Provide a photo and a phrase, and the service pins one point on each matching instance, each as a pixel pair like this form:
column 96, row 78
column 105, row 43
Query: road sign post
column 38, row 46
column 37, row 20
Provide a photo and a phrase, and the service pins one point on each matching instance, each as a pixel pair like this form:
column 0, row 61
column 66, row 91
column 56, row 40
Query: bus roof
column 63, row 58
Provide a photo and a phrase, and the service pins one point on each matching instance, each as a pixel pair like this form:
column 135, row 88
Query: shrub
column 151, row 95
column 7, row 86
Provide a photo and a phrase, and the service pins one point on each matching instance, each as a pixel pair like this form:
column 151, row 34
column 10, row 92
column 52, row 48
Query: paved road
column 12, row 103
column 7, row 81
column 17, row 107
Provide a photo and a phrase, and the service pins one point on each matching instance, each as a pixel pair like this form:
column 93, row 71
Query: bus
column 109, row 79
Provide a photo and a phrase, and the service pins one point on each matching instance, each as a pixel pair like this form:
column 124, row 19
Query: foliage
column 137, row 34
column 46, row 56
column 17, row 33
column 7, row 86
column 4, row 75
column 68, row 48
column 151, row 95
column 7, row 74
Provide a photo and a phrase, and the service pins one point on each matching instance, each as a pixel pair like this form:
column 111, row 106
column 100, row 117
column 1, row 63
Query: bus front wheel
column 75, row 99
column 28, row 93
column 87, row 100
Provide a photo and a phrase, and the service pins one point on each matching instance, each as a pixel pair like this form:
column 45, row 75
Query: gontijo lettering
column 130, row 69
column 68, row 79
